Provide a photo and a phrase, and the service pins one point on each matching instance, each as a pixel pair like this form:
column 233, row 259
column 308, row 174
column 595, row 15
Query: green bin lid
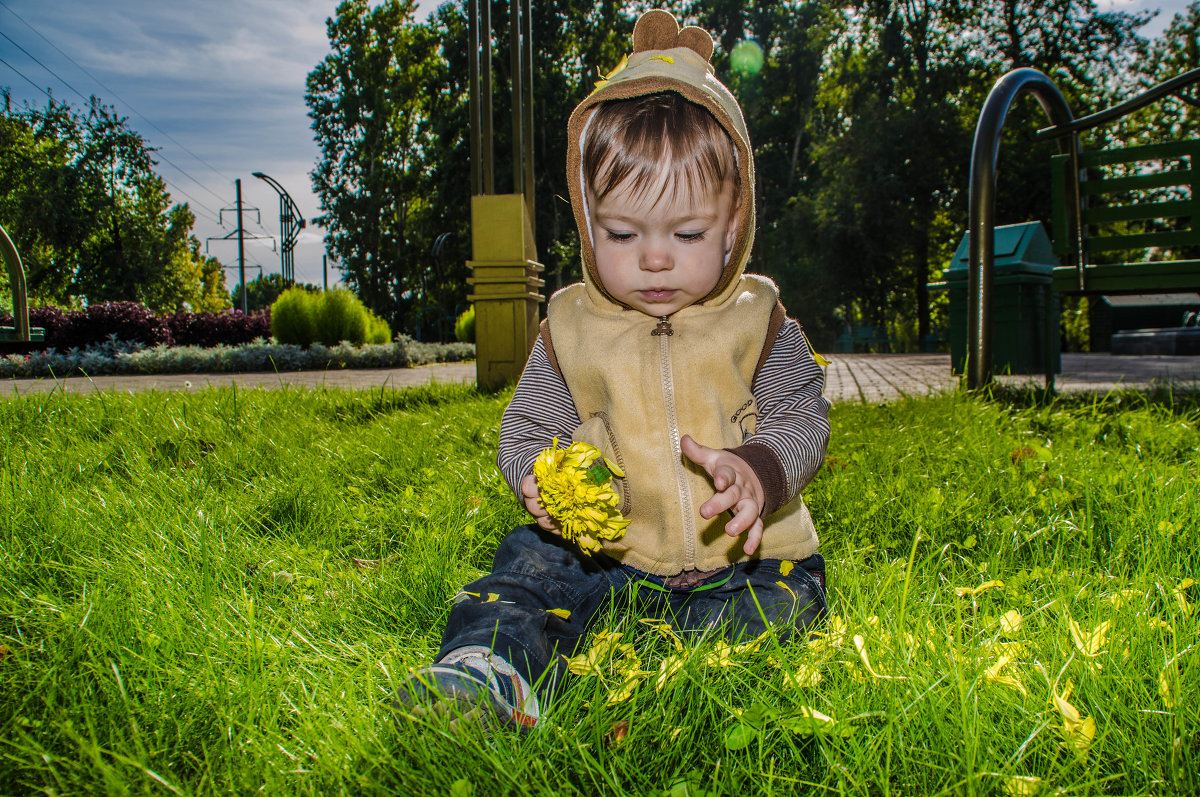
column 1019, row 249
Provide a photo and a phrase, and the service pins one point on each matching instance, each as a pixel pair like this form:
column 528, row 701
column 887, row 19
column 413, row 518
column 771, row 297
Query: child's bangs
column 658, row 146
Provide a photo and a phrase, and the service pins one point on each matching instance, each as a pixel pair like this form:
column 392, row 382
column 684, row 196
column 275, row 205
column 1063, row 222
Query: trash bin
column 1021, row 298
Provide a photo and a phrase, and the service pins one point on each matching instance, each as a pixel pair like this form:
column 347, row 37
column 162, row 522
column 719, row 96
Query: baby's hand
column 738, row 491
column 529, row 491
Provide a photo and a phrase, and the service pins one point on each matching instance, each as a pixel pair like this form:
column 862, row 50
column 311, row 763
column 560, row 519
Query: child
column 683, row 370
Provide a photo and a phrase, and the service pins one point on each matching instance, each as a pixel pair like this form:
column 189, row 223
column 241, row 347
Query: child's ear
column 735, row 221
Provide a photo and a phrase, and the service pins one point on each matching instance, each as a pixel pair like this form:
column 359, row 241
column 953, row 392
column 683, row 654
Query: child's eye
column 618, row 236
column 691, row 237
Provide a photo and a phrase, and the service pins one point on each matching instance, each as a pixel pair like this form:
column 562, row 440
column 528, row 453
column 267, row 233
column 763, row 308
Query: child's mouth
column 659, row 294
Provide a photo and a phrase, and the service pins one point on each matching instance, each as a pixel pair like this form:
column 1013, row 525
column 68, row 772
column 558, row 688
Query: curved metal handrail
column 982, row 224
column 1147, row 97
column 16, row 281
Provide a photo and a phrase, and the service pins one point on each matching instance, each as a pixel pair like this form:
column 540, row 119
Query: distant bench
column 863, row 339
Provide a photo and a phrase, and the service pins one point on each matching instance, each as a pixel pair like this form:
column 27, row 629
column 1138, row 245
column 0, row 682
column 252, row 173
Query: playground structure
column 1075, row 182
column 503, row 262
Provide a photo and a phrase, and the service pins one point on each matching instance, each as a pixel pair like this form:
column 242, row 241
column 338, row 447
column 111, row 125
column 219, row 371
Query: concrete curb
column 870, row 378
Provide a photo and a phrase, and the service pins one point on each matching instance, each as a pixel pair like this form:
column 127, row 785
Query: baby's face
column 660, row 258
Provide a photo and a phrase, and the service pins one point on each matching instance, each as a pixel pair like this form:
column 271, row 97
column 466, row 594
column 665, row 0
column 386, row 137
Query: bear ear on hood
column 658, row 30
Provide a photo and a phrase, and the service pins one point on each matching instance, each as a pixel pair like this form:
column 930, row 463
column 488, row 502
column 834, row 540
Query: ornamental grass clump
column 575, row 486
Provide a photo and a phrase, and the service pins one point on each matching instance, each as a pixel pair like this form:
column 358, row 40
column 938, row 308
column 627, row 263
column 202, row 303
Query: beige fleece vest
column 637, row 394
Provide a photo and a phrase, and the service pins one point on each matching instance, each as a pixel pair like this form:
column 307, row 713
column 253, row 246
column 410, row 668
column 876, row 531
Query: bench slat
column 1166, row 240
column 1137, row 182
column 1152, row 210
column 1145, row 152
column 1158, row 276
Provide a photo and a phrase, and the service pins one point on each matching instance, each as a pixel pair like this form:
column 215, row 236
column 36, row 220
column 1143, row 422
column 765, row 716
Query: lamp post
column 290, row 225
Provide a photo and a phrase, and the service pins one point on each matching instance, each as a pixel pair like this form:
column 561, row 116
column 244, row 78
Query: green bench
column 863, row 339
column 1134, row 199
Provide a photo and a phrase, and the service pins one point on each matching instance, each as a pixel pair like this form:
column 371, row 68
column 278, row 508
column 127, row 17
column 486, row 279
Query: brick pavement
column 869, row 378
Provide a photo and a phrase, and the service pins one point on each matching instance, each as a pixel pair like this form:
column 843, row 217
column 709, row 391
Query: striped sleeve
column 793, row 416
column 541, row 409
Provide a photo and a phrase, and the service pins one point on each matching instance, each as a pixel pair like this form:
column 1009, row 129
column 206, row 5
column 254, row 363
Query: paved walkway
column 852, row 377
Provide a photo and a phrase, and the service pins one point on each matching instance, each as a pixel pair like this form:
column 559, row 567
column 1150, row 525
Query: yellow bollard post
column 504, row 276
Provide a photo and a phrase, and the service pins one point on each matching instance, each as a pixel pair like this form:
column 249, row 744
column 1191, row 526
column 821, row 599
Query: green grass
column 181, row 609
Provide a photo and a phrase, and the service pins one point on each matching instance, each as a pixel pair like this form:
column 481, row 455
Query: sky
column 218, row 87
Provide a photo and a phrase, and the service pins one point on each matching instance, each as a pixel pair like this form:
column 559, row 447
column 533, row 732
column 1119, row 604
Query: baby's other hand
column 738, row 491
column 533, row 504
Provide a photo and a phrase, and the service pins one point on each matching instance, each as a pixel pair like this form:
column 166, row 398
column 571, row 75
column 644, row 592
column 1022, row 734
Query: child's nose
column 656, row 258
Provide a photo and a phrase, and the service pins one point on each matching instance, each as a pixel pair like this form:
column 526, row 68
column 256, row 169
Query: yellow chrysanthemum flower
column 575, row 487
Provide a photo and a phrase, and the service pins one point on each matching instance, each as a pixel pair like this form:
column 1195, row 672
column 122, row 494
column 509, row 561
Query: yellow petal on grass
column 993, row 674
column 810, row 722
column 1090, row 645
column 831, row 637
column 665, row 631
column 1168, row 680
column 1010, row 622
column 1021, row 785
column 805, row 676
column 667, row 670
column 600, row 657
column 1157, row 623
column 721, row 655
column 1078, row 732
column 785, row 567
column 860, row 644
column 1185, row 608
column 563, row 613
column 963, row 592
column 1119, row 599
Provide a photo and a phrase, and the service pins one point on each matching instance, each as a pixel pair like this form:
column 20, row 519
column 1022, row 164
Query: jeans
column 535, row 571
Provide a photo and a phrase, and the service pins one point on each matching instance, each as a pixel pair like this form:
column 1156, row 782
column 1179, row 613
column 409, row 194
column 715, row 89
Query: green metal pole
column 16, row 281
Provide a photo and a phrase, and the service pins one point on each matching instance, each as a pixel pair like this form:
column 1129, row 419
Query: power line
column 212, row 214
column 113, row 93
column 43, row 66
column 27, row 78
column 62, row 80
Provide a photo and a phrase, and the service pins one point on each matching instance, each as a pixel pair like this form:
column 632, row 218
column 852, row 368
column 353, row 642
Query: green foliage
column 294, row 317
column 378, row 330
column 327, row 317
column 1076, row 327
column 464, row 326
column 293, row 586
column 263, row 291
column 90, row 218
column 339, row 315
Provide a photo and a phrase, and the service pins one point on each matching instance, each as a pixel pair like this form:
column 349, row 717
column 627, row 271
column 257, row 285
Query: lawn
column 219, row 592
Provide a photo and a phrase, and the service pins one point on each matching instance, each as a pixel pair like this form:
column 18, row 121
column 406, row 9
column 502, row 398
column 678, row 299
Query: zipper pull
column 663, row 327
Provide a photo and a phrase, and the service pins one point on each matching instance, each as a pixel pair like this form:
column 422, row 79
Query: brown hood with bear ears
column 666, row 58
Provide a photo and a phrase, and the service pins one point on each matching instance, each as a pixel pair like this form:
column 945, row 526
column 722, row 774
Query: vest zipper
column 685, row 493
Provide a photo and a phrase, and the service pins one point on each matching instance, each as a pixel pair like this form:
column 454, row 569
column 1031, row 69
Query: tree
column 92, row 219
column 370, row 105
column 900, row 89
column 263, row 292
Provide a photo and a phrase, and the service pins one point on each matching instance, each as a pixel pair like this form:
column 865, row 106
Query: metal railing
column 982, row 211
column 16, row 281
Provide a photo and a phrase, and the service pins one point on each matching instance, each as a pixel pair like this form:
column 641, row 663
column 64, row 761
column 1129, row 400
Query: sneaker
column 465, row 694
